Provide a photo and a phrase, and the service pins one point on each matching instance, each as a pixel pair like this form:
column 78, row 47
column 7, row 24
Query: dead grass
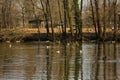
column 28, row 31
column 59, row 30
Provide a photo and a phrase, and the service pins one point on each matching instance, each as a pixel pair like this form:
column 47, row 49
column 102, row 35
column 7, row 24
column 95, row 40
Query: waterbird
column 8, row 41
column 58, row 51
column 47, row 41
column 17, row 41
column 80, row 51
column 104, row 58
column 47, row 47
column 113, row 42
column 68, row 44
column 10, row 45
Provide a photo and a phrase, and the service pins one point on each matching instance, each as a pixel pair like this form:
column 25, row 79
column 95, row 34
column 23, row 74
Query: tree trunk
column 98, row 20
column 78, row 18
column 46, row 17
column 109, row 14
column 115, row 21
column 50, row 15
column 69, row 16
column 23, row 17
column 80, row 29
column 93, row 18
column 104, row 20
column 36, row 19
column 65, row 20
column 60, row 16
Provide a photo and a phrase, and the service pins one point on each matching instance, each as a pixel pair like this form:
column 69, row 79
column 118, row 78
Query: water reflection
column 107, row 62
column 57, row 61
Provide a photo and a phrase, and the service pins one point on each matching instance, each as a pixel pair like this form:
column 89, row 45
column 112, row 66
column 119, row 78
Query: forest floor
column 15, row 34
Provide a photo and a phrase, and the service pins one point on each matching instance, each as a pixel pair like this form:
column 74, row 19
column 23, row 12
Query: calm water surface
column 56, row 61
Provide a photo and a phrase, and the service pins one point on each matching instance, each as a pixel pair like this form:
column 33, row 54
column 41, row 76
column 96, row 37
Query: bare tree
column 104, row 18
column 21, row 4
column 51, row 19
column 78, row 18
column 115, row 21
column 60, row 14
column 96, row 2
column 93, row 17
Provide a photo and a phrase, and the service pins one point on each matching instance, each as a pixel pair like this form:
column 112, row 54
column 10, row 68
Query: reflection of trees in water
column 48, row 64
column 78, row 60
column 17, row 62
column 63, row 62
column 88, row 61
column 72, row 61
column 100, row 62
column 105, row 65
column 66, row 56
column 70, row 64
column 43, row 61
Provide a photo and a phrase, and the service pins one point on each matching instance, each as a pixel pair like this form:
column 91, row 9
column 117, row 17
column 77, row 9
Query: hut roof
column 36, row 21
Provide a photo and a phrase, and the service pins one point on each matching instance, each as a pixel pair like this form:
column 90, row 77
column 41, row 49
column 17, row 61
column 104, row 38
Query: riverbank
column 31, row 34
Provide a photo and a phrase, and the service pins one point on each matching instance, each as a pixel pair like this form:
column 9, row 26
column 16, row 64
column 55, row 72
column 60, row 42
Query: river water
column 57, row 61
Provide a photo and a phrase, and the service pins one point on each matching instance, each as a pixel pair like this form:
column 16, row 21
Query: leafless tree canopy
column 72, row 13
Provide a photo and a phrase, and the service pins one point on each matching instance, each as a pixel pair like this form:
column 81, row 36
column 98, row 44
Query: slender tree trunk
column 104, row 20
column 4, row 9
column 23, row 13
column 98, row 20
column 60, row 16
column 53, row 35
column 23, row 17
column 65, row 20
column 80, row 29
column 118, row 20
column 115, row 21
column 8, row 14
column 76, row 15
column 109, row 13
column 69, row 16
column 93, row 18
column 37, row 23
column 46, row 17
column 78, row 18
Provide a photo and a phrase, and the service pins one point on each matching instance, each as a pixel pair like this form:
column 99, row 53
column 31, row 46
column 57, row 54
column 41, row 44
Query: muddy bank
column 23, row 35
column 44, row 37
column 36, row 37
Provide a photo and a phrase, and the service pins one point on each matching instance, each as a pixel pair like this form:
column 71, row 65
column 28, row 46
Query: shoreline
column 31, row 34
